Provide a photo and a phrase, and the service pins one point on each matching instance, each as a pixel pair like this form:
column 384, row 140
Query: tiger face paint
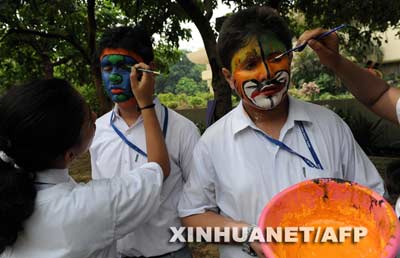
column 260, row 80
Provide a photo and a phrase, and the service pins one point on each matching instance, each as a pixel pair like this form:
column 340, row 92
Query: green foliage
column 307, row 68
column 165, row 55
column 196, row 101
column 182, row 101
column 189, row 86
column 183, row 76
column 363, row 17
column 89, row 93
column 324, row 96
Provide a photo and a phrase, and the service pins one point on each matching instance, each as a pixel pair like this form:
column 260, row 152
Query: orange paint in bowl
column 331, row 204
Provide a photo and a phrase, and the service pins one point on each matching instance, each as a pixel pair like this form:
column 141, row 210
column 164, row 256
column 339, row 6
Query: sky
column 196, row 42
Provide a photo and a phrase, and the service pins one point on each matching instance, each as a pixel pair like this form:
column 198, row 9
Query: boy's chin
column 128, row 103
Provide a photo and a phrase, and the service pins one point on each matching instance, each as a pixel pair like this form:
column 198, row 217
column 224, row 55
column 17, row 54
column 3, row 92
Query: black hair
column 135, row 39
column 39, row 122
column 238, row 28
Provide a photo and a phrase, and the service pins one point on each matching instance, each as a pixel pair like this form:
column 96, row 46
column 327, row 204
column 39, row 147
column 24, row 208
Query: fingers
column 309, row 34
column 133, row 76
column 326, row 48
column 143, row 90
column 146, row 77
column 330, row 41
column 257, row 248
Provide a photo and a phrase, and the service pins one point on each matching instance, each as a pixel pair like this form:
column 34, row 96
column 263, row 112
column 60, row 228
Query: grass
column 80, row 171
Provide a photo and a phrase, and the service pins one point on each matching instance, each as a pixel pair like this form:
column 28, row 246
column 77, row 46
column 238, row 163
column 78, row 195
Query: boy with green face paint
column 270, row 141
column 119, row 142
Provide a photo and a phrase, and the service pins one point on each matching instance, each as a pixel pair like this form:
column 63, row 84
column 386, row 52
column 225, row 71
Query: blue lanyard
column 311, row 164
column 132, row 145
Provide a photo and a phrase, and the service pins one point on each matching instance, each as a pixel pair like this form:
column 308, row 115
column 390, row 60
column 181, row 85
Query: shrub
column 172, row 104
column 196, row 102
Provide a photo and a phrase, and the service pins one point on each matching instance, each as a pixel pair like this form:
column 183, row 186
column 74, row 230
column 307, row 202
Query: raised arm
column 370, row 90
column 155, row 144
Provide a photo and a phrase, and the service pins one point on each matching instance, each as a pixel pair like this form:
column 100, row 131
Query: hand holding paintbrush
column 326, row 49
column 143, row 88
column 317, row 37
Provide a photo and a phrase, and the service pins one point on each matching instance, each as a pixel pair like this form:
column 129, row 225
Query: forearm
column 211, row 219
column 366, row 87
column 155, row 144
column 370, row 90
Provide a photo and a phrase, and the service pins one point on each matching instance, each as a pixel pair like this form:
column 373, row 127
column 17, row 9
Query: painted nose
column 263, row 73
column 115, row 78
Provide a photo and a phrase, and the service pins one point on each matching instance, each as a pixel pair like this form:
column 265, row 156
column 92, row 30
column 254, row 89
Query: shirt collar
column 297, row 112
column 53, row 176
column 157, row 107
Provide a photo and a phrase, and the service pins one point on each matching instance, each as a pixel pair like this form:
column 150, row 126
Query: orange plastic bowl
column 331, row 203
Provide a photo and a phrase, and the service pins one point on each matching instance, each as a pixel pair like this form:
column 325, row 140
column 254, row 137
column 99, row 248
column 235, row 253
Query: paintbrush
column 146, row 70
column 300, row 47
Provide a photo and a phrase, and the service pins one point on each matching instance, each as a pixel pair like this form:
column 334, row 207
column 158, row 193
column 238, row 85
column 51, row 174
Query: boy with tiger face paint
column 258, row 78
column 270, row 141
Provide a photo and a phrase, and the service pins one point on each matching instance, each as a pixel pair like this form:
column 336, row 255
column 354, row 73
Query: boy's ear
column 228, row 77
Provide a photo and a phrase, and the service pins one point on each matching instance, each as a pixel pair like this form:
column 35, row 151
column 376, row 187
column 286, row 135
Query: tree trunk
column 104, row 103
column 48, row 67
column 222, row 91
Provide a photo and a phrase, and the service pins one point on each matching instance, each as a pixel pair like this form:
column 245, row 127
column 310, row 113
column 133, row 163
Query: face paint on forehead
column 270, row 44
column 250, row 49
column 262, row 46
column 117, row 59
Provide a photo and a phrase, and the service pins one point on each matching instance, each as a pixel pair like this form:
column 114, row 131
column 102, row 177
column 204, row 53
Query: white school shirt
column 110, row 155
column 397, row 206
column 236, row 171
column 85, row 220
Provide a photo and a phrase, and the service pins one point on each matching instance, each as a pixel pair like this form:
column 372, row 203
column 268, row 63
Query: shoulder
column 180, row 123
column 325, row 122
column 220, row 129
column 321, row 115
column 104, row 120
column 103, row 131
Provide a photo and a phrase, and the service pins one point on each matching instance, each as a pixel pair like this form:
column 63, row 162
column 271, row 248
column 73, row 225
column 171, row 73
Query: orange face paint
column 122, row 52
column 260, row 80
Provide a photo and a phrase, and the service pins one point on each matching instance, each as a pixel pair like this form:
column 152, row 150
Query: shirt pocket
column 313, row 173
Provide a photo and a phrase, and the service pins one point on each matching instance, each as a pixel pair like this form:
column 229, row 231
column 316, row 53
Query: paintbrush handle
column 300, row 47
column 148, row 71
column 326, row 33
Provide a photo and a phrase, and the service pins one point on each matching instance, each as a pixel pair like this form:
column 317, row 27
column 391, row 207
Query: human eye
column 124, row 66
column 250, row 63
column 275, row 58
column 106, row 68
